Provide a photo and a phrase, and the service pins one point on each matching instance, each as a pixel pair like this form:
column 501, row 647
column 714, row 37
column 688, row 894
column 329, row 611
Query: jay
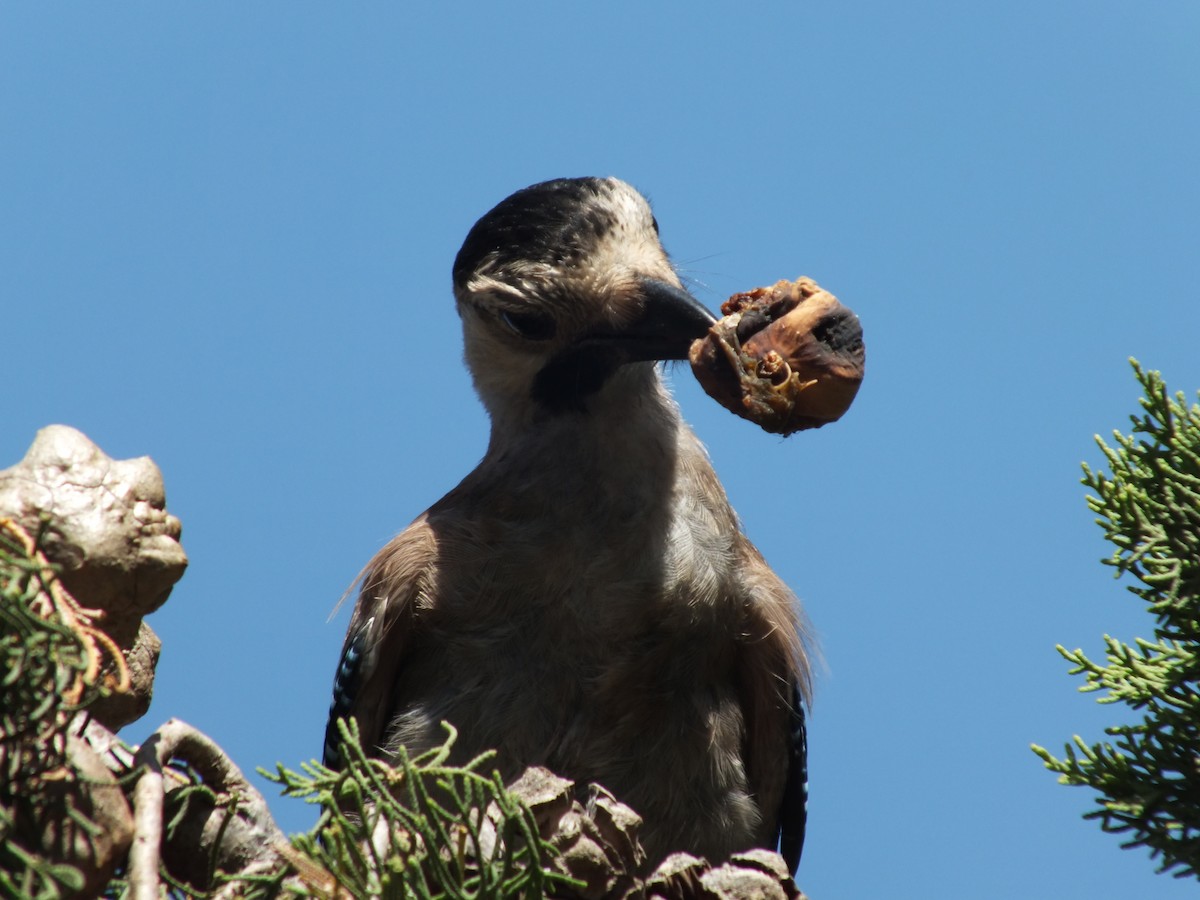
column 585, row 600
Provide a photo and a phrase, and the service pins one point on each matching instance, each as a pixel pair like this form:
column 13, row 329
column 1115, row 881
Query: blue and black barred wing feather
column 355, row 663
column 793, row 812
column 392, row 586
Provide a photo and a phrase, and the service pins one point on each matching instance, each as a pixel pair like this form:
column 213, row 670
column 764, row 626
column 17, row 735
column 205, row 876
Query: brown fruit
column 788, row 357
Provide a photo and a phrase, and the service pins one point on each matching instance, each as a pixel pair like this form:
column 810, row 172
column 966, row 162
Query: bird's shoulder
column 774, row 623
column 392, row 586
column 397, row 575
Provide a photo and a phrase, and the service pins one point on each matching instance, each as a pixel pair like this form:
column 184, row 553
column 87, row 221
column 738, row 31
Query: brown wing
column 392, row 587
column 776, row 677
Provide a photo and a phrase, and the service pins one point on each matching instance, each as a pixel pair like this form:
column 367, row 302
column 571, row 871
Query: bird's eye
column 529, row 325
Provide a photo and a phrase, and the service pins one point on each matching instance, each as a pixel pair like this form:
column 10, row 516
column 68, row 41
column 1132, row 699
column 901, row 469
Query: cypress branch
column 1148, row 777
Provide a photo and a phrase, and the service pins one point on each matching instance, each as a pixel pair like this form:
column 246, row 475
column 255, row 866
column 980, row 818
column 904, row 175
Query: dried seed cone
column 788, row 357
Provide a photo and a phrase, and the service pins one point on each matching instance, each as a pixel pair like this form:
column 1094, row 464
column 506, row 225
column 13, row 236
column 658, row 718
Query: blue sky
column 226, row 232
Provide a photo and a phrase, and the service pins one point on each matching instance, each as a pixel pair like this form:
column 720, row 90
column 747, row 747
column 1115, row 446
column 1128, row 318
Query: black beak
column 670, row 320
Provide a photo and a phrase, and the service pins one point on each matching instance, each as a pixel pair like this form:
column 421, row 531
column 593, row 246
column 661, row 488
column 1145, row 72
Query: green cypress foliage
column 50, row 660
column 1148, row 774
column 419, row 829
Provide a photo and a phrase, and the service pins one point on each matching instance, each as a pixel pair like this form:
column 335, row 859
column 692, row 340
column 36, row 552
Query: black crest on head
column 553, row 222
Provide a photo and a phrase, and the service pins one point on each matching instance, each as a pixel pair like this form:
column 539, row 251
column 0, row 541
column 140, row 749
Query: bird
column 585, row 599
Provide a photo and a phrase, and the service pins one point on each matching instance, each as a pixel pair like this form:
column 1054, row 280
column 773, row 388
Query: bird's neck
column 626, row 439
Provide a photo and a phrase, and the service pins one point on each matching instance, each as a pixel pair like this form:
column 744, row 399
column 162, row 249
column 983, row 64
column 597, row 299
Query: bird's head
column 565, row 293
